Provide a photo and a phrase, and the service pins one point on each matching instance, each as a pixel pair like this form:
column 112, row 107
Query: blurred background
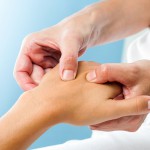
column 18, row 18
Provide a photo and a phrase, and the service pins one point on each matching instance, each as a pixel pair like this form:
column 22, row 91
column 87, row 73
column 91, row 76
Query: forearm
column 23, row 124
column 117, row 19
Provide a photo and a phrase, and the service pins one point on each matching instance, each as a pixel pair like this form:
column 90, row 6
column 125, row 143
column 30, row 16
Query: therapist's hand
column 62, row 43
column 96, row 24
column 135, row 78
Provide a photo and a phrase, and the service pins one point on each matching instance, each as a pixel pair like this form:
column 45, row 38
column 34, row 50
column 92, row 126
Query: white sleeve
column 116, row 140
column 139, row 49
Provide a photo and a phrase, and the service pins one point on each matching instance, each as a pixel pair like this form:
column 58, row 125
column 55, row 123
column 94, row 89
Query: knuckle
column 70, row 58
column 71, row 36
column 141, row 104
column 69, row 62
column 29, row 39
column 134, row 68
column 105, row 70
column 134, row 72
column 37, row 59
column 102, row 71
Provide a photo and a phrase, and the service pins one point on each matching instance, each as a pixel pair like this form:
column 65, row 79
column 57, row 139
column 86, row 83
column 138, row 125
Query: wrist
column 25, row 122
column 100, row 19
column 46, row 105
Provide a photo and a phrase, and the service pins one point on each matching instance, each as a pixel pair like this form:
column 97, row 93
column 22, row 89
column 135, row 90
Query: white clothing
column 118, row 140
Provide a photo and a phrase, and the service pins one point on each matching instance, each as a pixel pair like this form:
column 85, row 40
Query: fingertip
column 68, row 68
column 91, row 76
column 28, row 87
column 99, row 75
column 143, row 104
column 25, row 81
column 68, row 75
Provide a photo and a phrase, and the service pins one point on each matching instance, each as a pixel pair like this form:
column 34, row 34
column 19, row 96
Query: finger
column 114, row 89
column 108, row 125
column 123, row 73
column 134, row 106
column 68, row 61
column 47, row 70
column 44, row 62
column 43, row 57
column 121, row 124
column 37, row 74
column 22, row 71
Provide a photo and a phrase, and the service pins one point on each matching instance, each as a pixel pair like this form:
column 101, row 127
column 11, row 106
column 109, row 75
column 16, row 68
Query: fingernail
column 91, row 76
column 149, row 104
column 68, row 75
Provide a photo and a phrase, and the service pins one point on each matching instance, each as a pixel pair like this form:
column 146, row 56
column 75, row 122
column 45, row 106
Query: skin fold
column 54, row 101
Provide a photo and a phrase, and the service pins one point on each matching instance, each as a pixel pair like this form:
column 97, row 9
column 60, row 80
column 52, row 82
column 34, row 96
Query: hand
column 82, row 103
column 43, row 50
column 96, row 24
column 55, row 101
column 135, row 79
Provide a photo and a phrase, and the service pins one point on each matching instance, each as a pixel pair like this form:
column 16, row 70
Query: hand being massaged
column 83, row 103
column 54, row 101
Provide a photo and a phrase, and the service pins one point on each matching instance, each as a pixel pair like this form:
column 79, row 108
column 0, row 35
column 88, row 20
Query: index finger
column 22, row 71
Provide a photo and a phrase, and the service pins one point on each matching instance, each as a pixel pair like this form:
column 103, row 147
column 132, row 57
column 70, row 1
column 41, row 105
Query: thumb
column 135, row 106
column 68, row 60
column 123, row 73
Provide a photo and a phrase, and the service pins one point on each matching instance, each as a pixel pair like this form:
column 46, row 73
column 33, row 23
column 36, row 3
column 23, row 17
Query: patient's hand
column 80, row 102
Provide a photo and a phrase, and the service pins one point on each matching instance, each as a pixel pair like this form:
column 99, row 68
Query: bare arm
column 117, row 19
column 23, row 124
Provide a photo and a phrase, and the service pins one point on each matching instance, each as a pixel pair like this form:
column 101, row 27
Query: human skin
column 96, row 24
column 134, row 84
column 54, row 101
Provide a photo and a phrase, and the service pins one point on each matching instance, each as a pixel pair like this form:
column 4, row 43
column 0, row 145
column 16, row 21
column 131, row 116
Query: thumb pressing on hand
column 68, row 60
column 122, row 73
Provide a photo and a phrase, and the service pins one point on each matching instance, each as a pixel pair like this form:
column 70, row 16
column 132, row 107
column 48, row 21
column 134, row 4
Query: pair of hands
column 87, row 103
column 80, row 102
column 67, row 40
column 54, row 101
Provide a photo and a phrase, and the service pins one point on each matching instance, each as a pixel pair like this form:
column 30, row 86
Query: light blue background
column 21, row 17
